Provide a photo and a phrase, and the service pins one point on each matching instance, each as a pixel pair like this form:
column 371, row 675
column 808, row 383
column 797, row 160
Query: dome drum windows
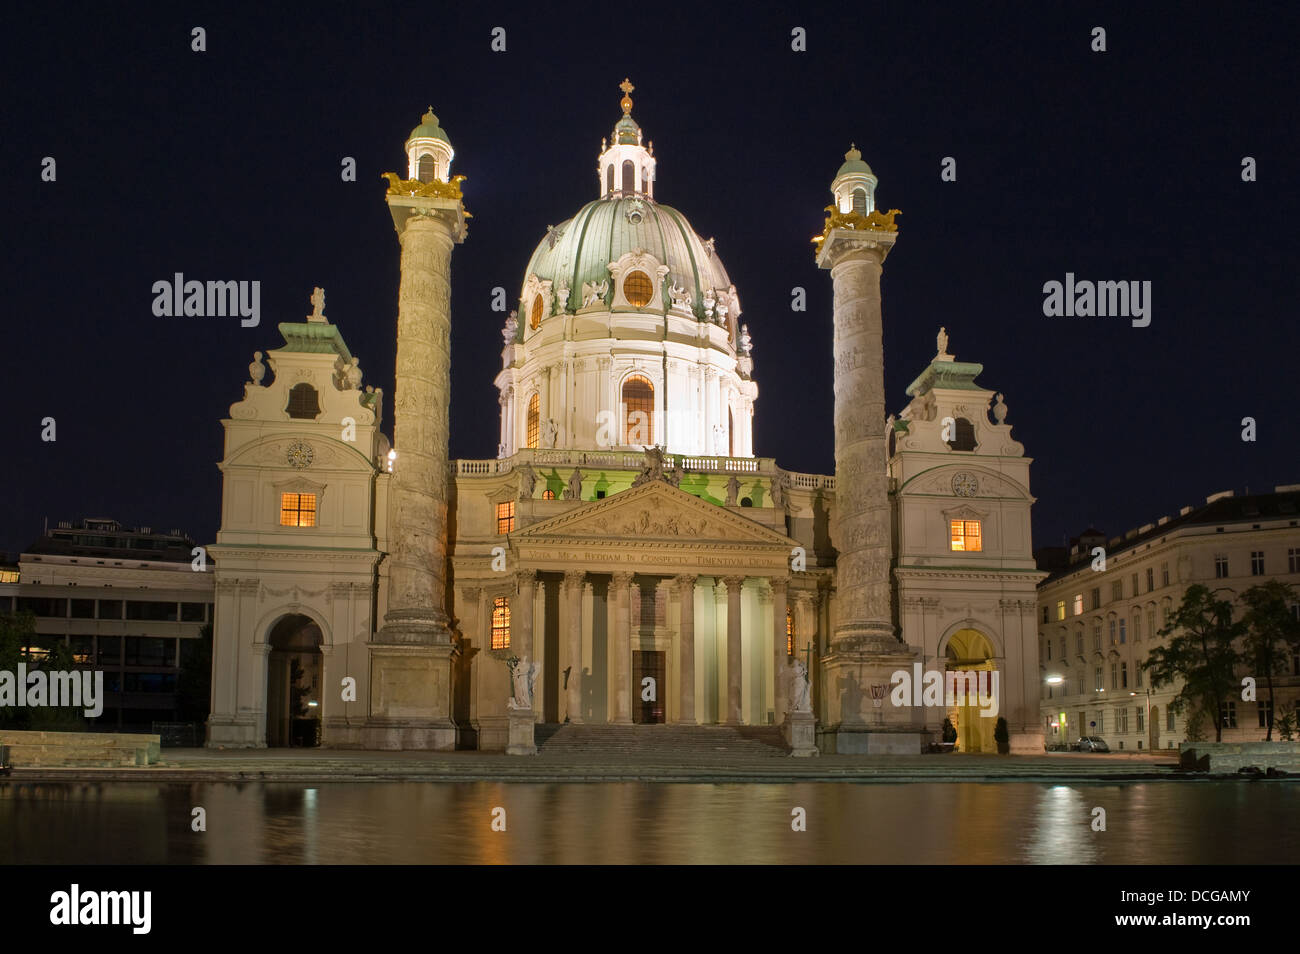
column 638, row 281
column 638, row 406
column 536, row 302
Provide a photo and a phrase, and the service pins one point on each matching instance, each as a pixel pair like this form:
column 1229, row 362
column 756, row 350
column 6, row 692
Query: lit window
column 1060, row 609
column 966, row 537
column 639, row 399
column 789, row 632
column 303, row 402
column 505, row 516
column 548, row 494
column 1078, row 604
column 535, row 316
column 500, row 623
column 297, row 510
column 637, row 289
column 533, row 423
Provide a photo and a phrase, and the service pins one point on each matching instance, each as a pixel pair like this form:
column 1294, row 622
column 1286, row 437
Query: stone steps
column 673, row 742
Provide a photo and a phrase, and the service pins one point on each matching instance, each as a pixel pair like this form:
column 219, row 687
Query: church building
column 625, row 556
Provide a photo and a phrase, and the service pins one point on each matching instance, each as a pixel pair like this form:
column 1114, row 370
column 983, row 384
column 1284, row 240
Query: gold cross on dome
column 626, row 102
column 626, row 86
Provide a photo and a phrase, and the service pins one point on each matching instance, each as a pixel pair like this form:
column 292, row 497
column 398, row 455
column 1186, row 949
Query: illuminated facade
column 624, row 538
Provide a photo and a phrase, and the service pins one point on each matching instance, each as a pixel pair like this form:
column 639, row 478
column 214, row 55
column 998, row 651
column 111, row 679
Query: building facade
column 1097, row 626
column 624, row 544
column 124, row 600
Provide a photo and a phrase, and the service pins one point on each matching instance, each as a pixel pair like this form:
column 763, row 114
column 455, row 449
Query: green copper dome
column 853, row 163
column 429, row 128
column 580, row 249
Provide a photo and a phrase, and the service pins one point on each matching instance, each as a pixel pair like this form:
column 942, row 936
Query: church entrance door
column 648, row 685
column 293, row 683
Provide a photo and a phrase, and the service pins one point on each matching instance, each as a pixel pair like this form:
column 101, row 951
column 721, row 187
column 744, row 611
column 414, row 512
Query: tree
column 194, row 684
column 1272, row 634
column 17, row 635
column 1200, row 653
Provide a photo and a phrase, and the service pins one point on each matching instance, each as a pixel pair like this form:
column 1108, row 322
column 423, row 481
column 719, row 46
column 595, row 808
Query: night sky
column 225, row 165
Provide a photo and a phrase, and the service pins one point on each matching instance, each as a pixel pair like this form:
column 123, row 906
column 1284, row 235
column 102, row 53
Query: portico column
column 779, row 655
column 521, row 623
column 573, row 583
column 623, row 647
column 734, row 584
column 686, row 647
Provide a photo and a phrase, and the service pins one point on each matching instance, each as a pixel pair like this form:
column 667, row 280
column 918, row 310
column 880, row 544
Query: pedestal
column 521, row 733
column 800, row 731
column 410, row 698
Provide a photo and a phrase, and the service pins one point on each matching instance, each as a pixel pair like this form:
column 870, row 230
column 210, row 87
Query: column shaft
column 686, row 648
column 573, row 583
column 623, row 647
column 734, row 584
column 779, row 655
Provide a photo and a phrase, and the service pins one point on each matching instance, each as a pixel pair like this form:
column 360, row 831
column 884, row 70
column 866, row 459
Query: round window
column 637, row 289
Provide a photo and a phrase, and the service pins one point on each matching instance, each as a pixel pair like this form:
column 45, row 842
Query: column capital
column 733, row 581
column 526, row 578
column 574, row 578
column 778, row 583
column 685, row 579
column 623, row 579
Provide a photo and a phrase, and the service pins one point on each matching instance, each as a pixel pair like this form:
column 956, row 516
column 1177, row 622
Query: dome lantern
column 625, row 167
column 854, row 186
column 428, row 151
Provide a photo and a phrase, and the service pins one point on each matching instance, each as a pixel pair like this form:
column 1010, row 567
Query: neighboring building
column 123, row 599
column 1096, row 627
column 625, row 537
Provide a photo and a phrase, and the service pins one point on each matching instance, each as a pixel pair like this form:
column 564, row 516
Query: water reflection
column 639, row 823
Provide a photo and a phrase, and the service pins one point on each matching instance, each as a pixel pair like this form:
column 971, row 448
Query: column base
column 404, row 736
column 428, row 627
column 233, row 732
column 870, row 740
column 521, row 739
column 410, row 698
column 1028, row 743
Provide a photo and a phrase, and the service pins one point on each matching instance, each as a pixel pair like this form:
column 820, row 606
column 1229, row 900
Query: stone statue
column 942, row 340
column 562, row 295
column 257, row 370
column 746, row 342
column 523, row 675
column 317, row 305
column 652, row 469
column 352, row 375
column 527, row 480
column 501, row 451
column 573, row 489
column 780, row 484
column 593, row 292
column 733, row 491
column 1000, row 410
column 553, row 235
column 550, row 431
column 709, row 246
column 511, row 329
column 681, row 298
column 676, row 477
column 800, row 690
column 710, row 299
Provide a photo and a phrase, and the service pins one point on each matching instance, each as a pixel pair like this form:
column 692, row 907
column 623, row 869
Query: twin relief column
column 410, row 657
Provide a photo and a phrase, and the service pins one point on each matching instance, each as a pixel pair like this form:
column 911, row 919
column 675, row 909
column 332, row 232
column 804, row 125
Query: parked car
column 1091, row 743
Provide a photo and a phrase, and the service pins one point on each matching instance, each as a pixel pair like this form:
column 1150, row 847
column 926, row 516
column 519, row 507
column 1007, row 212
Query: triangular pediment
column 655, row 511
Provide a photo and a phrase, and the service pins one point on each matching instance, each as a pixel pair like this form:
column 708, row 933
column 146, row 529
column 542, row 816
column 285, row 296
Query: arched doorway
column 293, row 681
column 969, row 650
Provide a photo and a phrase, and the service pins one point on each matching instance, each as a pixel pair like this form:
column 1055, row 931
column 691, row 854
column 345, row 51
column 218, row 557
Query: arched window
column 426, row 168
column 500, row 623
column 629, row 177
column 860, row 201
column 789, row 632
column 303, row 402
column 963, row 437
column 535, row 315
column 609, row 178
column 533, row 422
column 637, row 289
column 639, row 399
